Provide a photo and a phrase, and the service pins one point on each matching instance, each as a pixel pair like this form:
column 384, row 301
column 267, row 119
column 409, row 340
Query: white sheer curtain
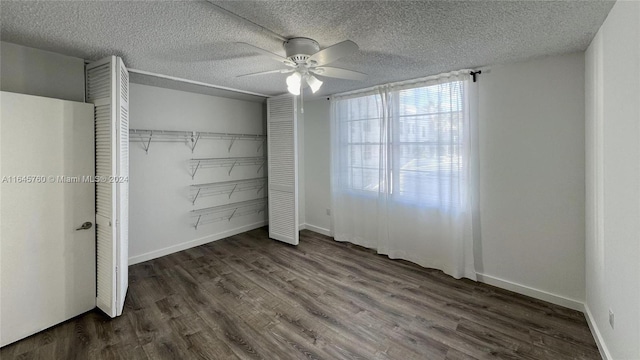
column 402, row 171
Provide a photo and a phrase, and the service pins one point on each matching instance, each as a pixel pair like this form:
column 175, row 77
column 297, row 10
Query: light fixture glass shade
column 294, row 90
column 293, row 82
column 314, row 83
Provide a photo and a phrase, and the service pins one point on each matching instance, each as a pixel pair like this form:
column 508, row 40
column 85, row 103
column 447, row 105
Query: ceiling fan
column 304, row 60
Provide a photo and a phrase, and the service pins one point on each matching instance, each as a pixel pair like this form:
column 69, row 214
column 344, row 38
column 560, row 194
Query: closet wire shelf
column 190, row 137
column 227, row 187
column 228, row 212
column 229, row 162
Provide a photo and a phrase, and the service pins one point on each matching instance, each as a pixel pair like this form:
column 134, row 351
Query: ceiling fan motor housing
column 300, row 49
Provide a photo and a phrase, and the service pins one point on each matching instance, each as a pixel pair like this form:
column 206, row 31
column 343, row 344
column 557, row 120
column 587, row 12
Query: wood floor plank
column 249, row 297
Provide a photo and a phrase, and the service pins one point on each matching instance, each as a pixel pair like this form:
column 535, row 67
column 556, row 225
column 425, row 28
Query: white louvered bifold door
column 108, row 89
column 283, row 169
column 122, row 186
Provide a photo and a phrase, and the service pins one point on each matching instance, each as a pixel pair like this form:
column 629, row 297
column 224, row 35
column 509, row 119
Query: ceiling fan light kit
column 304, row 59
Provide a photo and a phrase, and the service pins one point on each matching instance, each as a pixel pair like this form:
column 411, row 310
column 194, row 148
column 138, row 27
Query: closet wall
column 161, row 195
column 317, row 141
column 37, row 72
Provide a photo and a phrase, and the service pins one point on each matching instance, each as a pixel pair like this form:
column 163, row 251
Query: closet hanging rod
column 230, row 159
column 227, row 183
column 223, row 162
column 179, row 134
column 147, row 136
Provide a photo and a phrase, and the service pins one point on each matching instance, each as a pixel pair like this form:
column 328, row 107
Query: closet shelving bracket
column 146, row 143
column 195, row 170
column 232, row 190
column 233, row 213
column 194, row 140
column 261, row 144
column 231, row 144
column 195, row 197
column 234, row 164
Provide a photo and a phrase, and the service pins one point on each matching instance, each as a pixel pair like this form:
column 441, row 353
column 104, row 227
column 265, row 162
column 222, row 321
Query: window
column 421, row 143
column 360, row 138
column 428, row 163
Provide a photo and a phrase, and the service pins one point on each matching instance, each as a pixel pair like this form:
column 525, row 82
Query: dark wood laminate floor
column 248, row 297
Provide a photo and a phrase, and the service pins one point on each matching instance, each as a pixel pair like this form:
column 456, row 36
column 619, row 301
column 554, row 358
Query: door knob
column 85, row 226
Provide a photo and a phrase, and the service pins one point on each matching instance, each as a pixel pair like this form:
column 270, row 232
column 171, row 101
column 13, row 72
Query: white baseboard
column 317, row 229
column 529, row 291
column 193, row 243
column 597, row 335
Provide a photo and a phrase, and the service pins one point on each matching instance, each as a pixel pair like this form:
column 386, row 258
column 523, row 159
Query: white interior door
column 282, row 142
column 48, row 267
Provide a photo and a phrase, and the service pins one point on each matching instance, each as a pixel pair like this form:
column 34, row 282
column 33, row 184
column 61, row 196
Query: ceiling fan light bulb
column 314, row 83
column 294, row 80
column 294, row 90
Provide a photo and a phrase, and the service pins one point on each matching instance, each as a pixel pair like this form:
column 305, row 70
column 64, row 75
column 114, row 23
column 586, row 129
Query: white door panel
column 47, row 266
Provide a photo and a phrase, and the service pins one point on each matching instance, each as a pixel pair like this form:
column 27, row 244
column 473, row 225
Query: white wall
column 317, row 171
column 159, row 181
column 531, row 176
column 613, row 182
column 37, row 72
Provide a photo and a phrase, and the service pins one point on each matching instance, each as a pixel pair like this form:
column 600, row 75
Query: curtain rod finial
column 474, row 73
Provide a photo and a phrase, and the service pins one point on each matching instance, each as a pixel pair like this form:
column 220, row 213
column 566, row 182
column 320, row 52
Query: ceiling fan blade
column 338, row 73
column 333, row 52
column 283, row 71
column 275, row 57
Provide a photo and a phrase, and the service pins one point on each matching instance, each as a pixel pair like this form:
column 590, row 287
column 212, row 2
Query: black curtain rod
column 472, row 73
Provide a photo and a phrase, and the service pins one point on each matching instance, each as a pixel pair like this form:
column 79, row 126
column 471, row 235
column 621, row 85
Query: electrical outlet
column 611, row 318
column 329, row 212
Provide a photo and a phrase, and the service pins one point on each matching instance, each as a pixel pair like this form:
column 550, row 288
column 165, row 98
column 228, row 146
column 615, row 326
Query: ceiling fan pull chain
column 301, row 99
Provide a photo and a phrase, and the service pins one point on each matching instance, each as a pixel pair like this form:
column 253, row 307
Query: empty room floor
column 248, row 297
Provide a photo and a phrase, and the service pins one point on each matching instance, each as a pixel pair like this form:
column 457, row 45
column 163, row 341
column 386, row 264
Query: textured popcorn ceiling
column 398, row 39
